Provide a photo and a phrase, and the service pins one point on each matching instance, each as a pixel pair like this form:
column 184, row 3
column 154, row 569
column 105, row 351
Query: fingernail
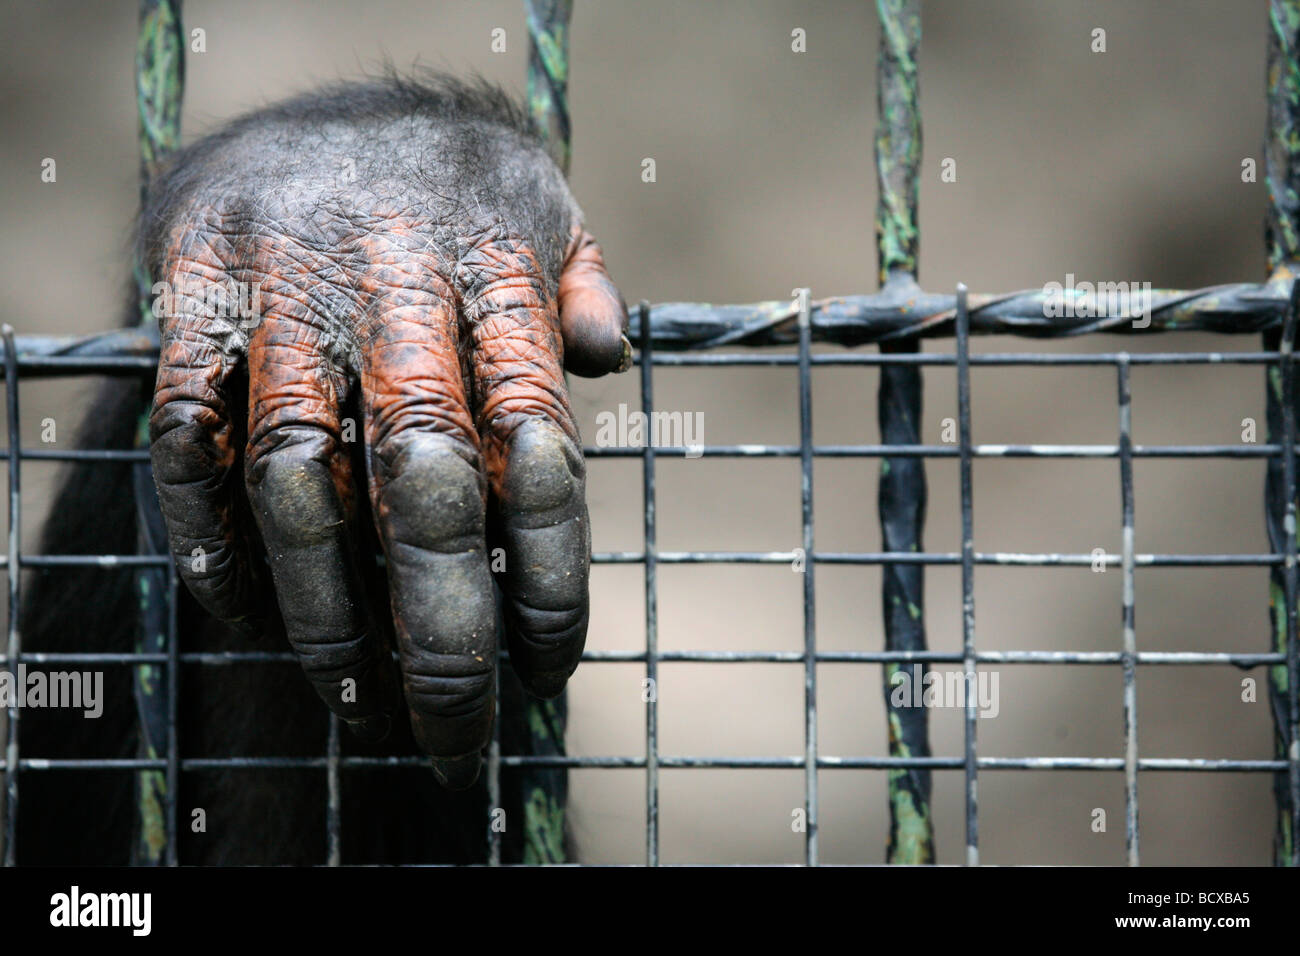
column 625, row 362
column 370, row 729
column 457, row 773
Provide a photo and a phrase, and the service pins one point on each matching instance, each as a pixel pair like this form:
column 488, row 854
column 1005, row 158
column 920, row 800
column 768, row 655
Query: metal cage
column 895, row 319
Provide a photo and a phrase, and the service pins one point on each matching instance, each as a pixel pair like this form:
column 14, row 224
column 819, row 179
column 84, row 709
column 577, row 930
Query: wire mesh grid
column 1128, row 658
column 679, row 335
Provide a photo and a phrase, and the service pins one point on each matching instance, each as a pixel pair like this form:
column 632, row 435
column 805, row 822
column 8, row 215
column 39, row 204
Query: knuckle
column 292, row 435
column 293, row 491
column 459, row 687
column 331, row 658
column 215, row 573
column 544, row 468
column 431, row 494
column 551, row 629
column 431, row 403
column 219, row 583
column 188, row 442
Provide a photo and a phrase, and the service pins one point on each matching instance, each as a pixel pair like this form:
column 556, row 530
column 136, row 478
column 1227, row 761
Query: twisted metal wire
column 898, row 312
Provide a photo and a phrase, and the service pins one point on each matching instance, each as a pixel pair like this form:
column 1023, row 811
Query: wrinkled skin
column 419, row 263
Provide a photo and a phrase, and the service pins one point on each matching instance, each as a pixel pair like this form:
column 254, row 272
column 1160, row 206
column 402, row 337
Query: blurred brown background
column 1116, row 166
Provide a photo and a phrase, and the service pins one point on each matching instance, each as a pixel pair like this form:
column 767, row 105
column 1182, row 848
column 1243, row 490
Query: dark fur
column 253, row 816
column 391, row 127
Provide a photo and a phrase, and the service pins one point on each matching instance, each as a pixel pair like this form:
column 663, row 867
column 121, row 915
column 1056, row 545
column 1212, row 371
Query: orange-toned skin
column 469, row 439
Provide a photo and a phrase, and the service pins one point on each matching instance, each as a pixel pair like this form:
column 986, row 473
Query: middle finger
column 428, row 498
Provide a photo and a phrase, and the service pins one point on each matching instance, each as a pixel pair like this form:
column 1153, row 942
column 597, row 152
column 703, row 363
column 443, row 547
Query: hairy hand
column 408, row 250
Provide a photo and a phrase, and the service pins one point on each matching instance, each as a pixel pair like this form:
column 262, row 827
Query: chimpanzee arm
column 409, row 244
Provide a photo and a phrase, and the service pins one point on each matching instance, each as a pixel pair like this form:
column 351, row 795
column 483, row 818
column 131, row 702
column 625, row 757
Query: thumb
column 593, row 315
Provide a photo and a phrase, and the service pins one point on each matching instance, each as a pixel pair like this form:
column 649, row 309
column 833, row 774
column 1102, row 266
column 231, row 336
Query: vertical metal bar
column 1282, row 237
column 12, row 643
column 545, row 789
column 651, row 604
column 902, row 490
column 967, row 574
column 1282, row 143
column 160, row 81
column 548, row 73
column 1130, row 632
column 153, row 842
column 1287, row 363
column 494, row 779
column 809, row 584
column 333, row 814
column 171, row 798
column 159, row 91
column 898, row 137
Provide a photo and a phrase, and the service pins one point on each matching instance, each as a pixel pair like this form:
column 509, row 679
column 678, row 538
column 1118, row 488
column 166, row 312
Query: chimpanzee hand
column 409, row 247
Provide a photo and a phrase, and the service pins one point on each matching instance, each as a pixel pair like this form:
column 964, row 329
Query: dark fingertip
column 371, row 729
column 267, row 626
column 253, row 627
column 246, row 629
column 457, row 773
column 594, row 322
column 592, row 351
column 546, row 686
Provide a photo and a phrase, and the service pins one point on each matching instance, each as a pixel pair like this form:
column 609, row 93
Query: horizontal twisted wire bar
column 905, row 311
column 901, row 312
